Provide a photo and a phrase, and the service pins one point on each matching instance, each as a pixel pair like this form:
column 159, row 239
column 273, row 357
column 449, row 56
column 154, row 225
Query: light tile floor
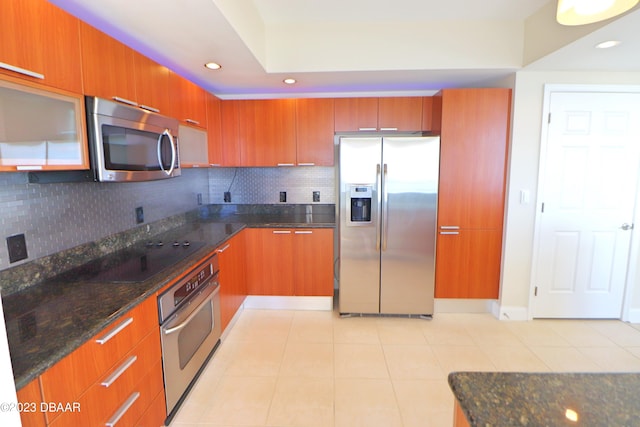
column 313, row 368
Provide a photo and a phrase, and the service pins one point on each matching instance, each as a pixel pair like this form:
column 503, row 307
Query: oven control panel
column 177, row 294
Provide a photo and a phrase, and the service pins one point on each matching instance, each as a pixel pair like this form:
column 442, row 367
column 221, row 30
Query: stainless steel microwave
column 127, row 143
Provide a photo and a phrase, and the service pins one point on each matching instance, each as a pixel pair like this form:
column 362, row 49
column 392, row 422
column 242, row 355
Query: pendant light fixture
column 580, row 12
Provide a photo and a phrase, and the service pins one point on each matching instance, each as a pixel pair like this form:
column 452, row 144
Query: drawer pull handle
column 193, row 122
column 449, row 227
column 224, row 248
column 121, row 370
column 450, row 232
column 115, row 331
column 125, row 101
column 123, row 409
column 22, row 71
column 304, row 232
column 148, row 108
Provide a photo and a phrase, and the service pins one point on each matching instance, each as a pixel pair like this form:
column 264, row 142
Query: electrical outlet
column 17, row 246
column 227, row 197
column 316, row 196
column 139, row 215
column 283, row 196
column 199, row 198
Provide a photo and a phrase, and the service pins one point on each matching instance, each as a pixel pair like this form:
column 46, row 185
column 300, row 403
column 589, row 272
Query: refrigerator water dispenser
column 360, row 196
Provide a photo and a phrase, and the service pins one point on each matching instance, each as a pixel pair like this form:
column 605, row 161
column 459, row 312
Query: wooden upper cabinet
column 356, row 114
column 230, row 126
column 267, row 132
column 214, row 130
column 378, row 114
column 152, row 84
column 400, row 114
column 473, row 154
column 314, row 131
column 108, row 67
column 427, row 114
column 21, row 33
column 188, row 101
column 40, row 42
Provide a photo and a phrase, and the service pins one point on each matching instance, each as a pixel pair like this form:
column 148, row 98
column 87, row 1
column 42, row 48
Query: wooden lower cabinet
column 468, row 264
column 233, row 282
column 115, row 375
column 29, row 395
column 290, row 262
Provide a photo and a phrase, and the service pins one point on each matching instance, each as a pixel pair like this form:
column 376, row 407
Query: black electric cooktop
column 134, row 264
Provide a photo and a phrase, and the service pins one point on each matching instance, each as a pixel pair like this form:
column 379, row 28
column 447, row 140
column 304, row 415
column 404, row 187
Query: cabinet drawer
column 155, row 414
column 69, row 378
column 117, row 409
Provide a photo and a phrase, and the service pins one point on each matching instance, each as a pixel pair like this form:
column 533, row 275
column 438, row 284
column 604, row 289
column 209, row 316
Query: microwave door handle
column 173, row 151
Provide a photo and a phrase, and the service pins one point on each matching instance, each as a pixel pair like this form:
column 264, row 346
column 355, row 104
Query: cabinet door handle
column 303, row 232
column 123, row 409
column 115, row 331
column 367, row 129
column 307, row 164
column 388, row 129
column 281, row 231
column 449, row 227
column 125, row 101
column 193, row 122
column 223, row 248
column 450, row 232
column 286, row 164
column 121, row 370
column 28, row 168
column 22, row 71
column 215, row 165
column 146, row 107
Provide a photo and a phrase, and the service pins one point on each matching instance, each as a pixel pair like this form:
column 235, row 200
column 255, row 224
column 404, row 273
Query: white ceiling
column 357, row 47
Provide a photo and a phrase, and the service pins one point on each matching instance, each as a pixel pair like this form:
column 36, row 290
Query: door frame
column 628, row 313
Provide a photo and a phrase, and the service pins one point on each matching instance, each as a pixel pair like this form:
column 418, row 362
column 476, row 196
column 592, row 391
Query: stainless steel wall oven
column 189, row 329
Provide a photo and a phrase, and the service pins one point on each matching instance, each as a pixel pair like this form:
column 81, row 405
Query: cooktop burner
column 141, row 262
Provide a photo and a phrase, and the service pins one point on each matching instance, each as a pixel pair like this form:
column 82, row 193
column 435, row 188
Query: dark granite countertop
column 547, row 399
column 50, row 318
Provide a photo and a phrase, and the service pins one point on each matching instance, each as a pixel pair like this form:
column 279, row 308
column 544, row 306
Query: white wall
column 523, row 174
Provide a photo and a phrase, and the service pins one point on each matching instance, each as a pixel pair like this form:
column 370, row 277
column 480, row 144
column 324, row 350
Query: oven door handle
column 195, row 312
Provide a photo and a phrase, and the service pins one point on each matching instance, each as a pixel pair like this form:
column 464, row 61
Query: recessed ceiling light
column 608, row 44
column 289, row 81
column 213, row 65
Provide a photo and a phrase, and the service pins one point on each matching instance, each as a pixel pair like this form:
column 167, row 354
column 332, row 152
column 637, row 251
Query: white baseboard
column 288, row 303
column 503, row 312
column 633, row 316
column 458, row 305
column 232, row 322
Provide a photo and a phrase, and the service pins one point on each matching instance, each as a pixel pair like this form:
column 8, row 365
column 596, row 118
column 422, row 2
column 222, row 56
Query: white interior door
column 589, row 179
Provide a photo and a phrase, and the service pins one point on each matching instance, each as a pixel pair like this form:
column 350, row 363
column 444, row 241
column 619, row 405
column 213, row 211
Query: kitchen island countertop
column 48, row 320
column 495, row 399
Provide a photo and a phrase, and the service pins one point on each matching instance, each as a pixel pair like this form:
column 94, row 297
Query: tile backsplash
column 263, row 185
column 55, row 217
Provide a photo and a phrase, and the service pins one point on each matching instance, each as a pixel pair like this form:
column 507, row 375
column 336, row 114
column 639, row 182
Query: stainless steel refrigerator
column 388, row 190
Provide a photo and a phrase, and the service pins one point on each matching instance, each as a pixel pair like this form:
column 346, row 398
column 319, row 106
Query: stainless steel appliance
column 388, row 190
column 189, row 329
column 129, row 143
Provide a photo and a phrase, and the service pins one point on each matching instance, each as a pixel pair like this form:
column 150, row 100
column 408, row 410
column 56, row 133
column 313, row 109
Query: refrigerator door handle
column 378, row 191
column 385, row 219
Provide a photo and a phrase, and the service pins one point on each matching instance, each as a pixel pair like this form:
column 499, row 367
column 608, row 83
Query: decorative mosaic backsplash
column 55, row 217
column 263, row 185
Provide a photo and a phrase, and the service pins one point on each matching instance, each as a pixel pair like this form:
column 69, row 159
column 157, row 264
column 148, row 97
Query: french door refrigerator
column 388, row 190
